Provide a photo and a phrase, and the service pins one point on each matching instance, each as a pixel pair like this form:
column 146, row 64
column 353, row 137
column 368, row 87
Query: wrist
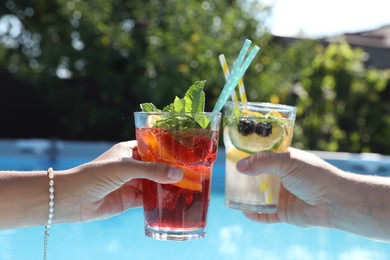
column 339, row 195
column 65, row 197
column 359, row 205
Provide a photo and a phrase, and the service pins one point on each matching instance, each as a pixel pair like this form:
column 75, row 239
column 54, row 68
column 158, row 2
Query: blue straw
column 236, row 74
column 240, row 59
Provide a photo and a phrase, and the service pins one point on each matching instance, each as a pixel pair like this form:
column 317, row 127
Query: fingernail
column 175, row 174
column 242, row 165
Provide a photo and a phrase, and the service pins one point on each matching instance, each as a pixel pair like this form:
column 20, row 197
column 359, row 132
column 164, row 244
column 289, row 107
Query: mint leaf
column 195, row 102
column 202, row 121
column 169, row 108
column 149, row 107
column 192, row 102
column 179, row 105
column 195, row 97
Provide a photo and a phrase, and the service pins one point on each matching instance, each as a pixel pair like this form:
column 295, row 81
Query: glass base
column 163, row 234
column 263, row 208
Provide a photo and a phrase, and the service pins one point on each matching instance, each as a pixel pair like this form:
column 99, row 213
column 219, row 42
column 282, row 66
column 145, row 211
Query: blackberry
column 246, row 126
column 263, row 129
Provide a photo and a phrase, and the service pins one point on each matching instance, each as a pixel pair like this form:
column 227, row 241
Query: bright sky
column 315, row 18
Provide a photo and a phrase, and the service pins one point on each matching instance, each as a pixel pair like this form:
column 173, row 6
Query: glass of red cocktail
column 189, row 141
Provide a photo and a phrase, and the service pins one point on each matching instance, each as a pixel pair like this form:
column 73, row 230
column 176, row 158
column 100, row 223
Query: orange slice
column 191, row 179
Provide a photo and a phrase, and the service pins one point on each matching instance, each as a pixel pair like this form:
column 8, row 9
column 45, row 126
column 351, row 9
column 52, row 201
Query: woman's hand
column 109, row 184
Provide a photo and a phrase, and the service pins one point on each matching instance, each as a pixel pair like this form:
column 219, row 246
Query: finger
column 263, row 162
column 263, row 217
column 123, row 149
column 155, row 171
column 131, row 195
column 126, row 197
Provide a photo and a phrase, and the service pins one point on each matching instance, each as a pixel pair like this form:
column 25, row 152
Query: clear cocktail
column 249, row 128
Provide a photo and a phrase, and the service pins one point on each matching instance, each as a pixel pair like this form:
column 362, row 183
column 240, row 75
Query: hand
column 306, row 180
column 315, row 193
column 109, row 184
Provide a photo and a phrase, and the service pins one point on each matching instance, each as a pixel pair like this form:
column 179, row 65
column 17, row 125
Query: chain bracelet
column 50, row 174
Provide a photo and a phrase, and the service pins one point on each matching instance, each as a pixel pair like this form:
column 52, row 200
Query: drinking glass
column 252, row 127
column 178, row 211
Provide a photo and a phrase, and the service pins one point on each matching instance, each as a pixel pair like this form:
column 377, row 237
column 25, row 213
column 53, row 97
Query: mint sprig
column 192, row 102
column 149, row 107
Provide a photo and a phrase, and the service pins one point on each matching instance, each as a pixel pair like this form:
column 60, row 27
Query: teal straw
column 240, row 59
column 236, row 74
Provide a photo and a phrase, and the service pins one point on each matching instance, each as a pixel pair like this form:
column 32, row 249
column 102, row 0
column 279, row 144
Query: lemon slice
column 152, row 120
column 252, row 113
column 253, row 143
column 235, row 155
column 275, row 113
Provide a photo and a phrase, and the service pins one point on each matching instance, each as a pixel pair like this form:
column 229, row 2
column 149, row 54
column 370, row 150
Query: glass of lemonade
column 249, row 128
column 178, row 211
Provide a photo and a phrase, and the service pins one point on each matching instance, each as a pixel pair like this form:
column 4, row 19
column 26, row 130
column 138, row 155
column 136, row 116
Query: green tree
column 92, row 62
column 344, row 108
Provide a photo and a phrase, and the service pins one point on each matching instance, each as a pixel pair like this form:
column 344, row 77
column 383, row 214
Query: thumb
column 155, row 171
column 263, row 162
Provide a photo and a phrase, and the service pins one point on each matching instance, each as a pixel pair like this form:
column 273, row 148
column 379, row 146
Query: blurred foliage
column 77, row 69
column 92, row 62
column 343, row 106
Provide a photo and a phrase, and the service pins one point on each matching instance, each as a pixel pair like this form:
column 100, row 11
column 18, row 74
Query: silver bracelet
column 50, row 174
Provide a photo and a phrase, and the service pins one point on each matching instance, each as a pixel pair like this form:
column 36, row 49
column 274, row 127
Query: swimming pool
column 229, row 234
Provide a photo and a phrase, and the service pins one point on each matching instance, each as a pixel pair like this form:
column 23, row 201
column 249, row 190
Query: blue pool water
column 230, row 235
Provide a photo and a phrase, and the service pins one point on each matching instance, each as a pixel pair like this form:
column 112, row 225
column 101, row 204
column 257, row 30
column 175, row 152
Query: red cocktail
column 178, row 211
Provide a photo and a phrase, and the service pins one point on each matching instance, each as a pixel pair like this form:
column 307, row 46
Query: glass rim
column 178, row 113
column 261, row 104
